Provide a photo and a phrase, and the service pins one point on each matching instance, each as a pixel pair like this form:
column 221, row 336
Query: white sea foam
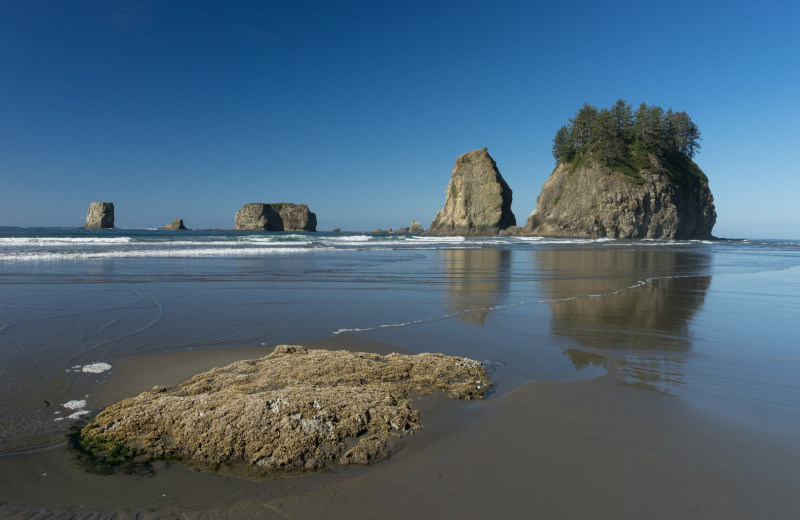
column 75, row 404
column 96, row 368
column 157, row 253
column 77, row 414
column 57, row 241
column 342, row 331
column 438, row 239
column 349, row 239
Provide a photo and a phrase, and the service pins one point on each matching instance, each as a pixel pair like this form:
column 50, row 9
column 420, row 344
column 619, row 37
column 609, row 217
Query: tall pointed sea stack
column 478, row 199
column 100, row 215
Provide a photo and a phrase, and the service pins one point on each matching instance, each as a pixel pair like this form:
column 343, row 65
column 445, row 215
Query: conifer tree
column 607, row 137
column 582, row 124
column 608, row 133
column 623, row 119
column 562, row 147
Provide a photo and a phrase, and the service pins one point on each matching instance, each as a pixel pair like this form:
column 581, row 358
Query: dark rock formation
column 175, row 225
column 275, row 217
column 594, row 201
column 100, row 215
column 478, row 199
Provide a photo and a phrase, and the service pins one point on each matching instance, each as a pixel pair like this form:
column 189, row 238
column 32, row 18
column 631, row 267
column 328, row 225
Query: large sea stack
column 665, row 200
column 625, row 173
column 478, row 199
column 100, row 215
column 275, row 217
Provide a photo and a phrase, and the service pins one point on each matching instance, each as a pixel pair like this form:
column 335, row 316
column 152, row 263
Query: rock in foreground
column 100, row 215
column 281, row 216
column 478, row 199
column 294, row 409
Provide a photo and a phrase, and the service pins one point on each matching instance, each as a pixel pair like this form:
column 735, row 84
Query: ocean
column 714, row 324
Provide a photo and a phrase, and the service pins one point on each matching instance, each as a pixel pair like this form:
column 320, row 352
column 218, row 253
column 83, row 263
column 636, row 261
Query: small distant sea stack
column 175, row 225
column 415, row 228
column 282, row 216
column 100, row 215
column 478, row 199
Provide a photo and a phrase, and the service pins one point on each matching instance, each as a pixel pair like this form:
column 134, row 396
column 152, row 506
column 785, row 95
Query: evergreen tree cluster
column 610, row 134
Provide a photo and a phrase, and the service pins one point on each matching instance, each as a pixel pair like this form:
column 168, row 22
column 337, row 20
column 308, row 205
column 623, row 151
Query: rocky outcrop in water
column 175, row 225
column 100, row 215
column 275, row 217
column 478, row 199
column 415, row 228
column 295, row 409
column 591, row 200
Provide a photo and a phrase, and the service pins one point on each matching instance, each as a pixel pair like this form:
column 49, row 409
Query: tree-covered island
column 623, row 139
column 624, row 173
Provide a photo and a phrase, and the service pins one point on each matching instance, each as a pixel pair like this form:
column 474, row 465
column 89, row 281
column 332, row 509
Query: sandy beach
column 583, row 449
column 632, row 380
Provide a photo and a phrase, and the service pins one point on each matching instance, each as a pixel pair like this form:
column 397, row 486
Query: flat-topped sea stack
column 175, row 225
column 622, row 173
column 100, row 215
column 594, row 201
column 478, row 199
column 281, row 216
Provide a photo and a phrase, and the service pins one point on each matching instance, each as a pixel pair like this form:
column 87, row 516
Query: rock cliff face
column 275, row 217
column 100, row 215
column 478, row 199
column 175, row 225
column 593, row 201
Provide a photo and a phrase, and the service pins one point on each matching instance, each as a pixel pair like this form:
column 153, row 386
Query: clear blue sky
column 359, row 109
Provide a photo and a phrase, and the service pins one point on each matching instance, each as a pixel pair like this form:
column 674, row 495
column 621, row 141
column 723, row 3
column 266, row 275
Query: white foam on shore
column 66, row 241
column 158, row 253
column 342, row 331
column 96, row 368
column 75, row 404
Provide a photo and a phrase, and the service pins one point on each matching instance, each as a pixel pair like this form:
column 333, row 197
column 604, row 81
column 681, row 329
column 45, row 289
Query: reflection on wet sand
column 476, row 281
column 632, row 306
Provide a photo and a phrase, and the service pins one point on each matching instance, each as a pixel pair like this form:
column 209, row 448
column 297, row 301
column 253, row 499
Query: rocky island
column 478, row 200
column 295, row 409
column 100, row 215
column 175, row 225
column 621, row 174
column 281, row 216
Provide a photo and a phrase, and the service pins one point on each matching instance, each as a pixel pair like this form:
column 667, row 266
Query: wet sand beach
column 582, row 449
column 632, row 379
